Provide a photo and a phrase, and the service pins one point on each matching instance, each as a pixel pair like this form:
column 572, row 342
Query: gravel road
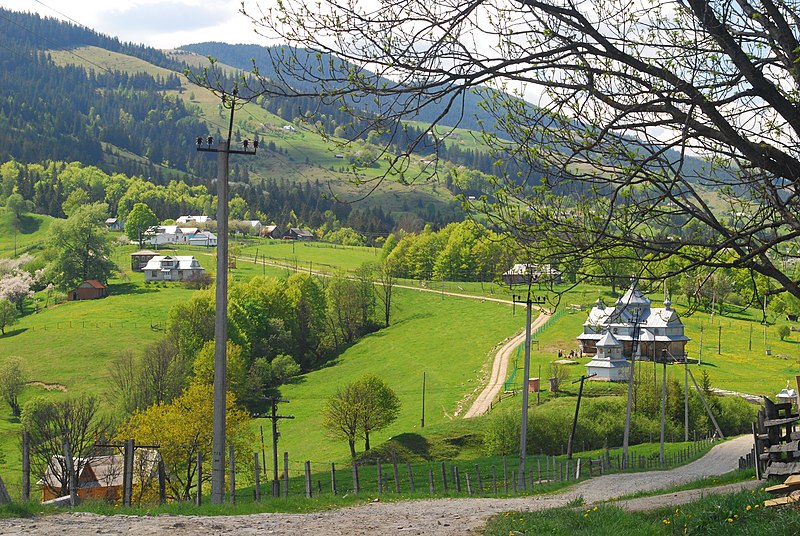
column 439, row 517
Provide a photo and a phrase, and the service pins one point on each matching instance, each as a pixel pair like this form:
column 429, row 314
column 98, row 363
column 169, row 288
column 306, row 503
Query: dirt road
column 439, row 517
column 500, row 369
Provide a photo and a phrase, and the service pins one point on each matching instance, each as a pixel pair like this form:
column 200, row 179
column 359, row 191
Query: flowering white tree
column 16, row 286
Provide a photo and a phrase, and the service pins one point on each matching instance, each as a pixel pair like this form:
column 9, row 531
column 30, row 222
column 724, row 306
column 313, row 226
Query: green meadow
column 452, row 340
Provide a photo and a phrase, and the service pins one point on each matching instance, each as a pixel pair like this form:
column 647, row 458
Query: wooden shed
column 91, row 289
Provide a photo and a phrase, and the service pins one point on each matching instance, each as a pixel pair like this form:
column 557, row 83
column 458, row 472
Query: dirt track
column 440, row 517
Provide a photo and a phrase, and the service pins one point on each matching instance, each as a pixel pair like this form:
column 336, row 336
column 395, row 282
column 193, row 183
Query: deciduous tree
column 12, row 381
column 670, row 129
column 50, row 423
column 8, row 315
column 183, row 428
column 79, row 247
column 140, row 219
column 359, row 408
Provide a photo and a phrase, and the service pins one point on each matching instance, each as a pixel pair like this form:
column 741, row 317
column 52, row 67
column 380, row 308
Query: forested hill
column 51, row 112
column 468, row 115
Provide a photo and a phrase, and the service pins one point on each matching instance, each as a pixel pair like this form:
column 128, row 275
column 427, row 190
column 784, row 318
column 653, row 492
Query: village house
column 172, row 268
column 295, row 233
column 113, row 224
column 255, row 226
column 655, row 333
column 99, row 477
column 535, row 273
column 159, row 235
column 91, row 289
column 193, row 219
column 139, row 259
column 203, row 238
column 270, row 231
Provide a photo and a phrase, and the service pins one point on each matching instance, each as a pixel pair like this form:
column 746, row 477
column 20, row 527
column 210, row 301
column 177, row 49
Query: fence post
column 578, row 471
column 431, row 488
column 285, row 474
column 232, row 471
column 505, row 473
column 333, row 478
column 309, row 487
column 478, row 479
column 26, row 466
column 355, row 478
column 444, row 478
column 395, row 472
column 127, row 472
column 199, row 499
column 411, row 485
column 469, row 485
column 380, row 477
column 257, row 489
column 494, row 479
column 162, row 481
column 457, row 478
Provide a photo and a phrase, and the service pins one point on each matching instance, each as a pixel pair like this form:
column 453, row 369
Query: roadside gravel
column 440, row 517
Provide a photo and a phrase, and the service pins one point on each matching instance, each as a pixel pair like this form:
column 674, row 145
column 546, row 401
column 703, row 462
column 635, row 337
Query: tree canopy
column 139, row 220
column 667, row 131
column 79, row 247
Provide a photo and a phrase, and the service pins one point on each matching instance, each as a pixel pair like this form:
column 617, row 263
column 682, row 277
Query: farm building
column 172, row 268
column 195, row 219
column 535, row 273
column 90, row 289
column 99, row 477
column 113, row 224
column 140, row 258
column 295, row 233
column 203, row 238
column 658, row 332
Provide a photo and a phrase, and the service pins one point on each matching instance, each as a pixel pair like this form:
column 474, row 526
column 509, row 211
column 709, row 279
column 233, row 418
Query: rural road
column 500, row 369
column 439, row 517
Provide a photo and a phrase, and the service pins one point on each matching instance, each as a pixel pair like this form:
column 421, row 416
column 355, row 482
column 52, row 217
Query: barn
column 91, row 289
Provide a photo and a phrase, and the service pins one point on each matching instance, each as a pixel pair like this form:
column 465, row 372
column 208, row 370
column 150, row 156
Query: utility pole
column 575, row 419
column 661, row 455
column 523, row 435
column 634, row 348
column 275, row 435
column 223, row 150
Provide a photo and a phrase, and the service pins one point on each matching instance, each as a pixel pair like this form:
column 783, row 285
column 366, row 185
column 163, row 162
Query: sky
column 157, row 23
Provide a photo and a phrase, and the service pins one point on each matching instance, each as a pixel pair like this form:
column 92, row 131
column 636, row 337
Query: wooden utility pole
column 575, row 419
column 626, row 432
column 523, row 435
column 273, row 416
column 223, row 150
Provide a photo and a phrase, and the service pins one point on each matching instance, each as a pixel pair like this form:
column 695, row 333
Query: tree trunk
column 352, row 448
column 366, row 440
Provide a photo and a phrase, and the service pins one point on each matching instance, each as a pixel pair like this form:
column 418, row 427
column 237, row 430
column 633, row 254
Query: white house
column 169, row 234
column 609, row 364
column 203, row 238
column 195, row 219
column 654, row 333
column 172, row 268
column 255, row 226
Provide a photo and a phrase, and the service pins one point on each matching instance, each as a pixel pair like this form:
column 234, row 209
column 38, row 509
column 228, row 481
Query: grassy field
column 452, row 340
column 28, row 235
column 739, row 513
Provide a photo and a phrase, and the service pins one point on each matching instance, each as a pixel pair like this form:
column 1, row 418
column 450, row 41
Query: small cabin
column 91, row 289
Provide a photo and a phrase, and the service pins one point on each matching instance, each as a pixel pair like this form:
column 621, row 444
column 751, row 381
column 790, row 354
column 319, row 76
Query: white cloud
column 161, row 24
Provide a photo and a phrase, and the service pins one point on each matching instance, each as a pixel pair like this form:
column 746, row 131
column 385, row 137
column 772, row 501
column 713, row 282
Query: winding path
column 483, row 403
column 438, row 517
